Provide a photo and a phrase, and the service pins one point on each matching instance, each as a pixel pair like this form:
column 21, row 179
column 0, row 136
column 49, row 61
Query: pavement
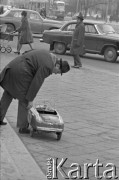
column 16, row 161
column 88, row 101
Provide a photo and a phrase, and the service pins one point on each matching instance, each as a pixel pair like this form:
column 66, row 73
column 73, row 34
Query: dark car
column 100, row 38
column 12, row 18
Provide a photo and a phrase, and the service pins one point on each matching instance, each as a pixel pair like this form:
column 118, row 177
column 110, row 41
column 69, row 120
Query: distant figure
column 25, row 34
column 77, row 44
column 1, row 9
column 43, row 12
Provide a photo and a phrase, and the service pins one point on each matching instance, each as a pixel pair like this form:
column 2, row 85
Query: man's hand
column 30, row 104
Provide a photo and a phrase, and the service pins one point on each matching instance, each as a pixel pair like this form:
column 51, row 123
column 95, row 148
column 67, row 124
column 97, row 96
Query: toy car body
column 43, row 118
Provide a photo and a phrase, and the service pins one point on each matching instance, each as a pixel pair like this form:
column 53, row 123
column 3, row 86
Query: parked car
column 3, row 8
column 100, row 38
column 115, row 26
column 12, row 18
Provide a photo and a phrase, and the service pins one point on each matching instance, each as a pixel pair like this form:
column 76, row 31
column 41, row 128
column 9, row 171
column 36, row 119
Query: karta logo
column 57, row 167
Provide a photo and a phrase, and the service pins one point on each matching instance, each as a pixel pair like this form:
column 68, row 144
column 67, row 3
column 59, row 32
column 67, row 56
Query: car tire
column 59, row 48
column 110, row 54
column 3, row 49
column 9, row 49
column 10, row 28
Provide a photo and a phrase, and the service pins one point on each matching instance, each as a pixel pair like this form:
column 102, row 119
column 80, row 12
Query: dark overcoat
column 25, row 32
column 77, row 43
column 24, row 75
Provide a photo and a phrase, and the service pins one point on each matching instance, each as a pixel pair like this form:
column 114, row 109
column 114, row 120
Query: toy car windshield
column 46, row 110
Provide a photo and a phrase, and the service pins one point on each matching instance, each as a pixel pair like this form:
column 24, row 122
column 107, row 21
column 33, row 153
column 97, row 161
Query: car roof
column 94, row 21
column 18, row 9
column 88, row 21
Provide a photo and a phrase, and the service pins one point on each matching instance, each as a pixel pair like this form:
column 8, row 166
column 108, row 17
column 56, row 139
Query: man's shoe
column 2, row 123
column 24, row 131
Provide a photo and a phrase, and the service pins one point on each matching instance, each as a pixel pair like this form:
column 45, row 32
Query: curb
column 16, row 161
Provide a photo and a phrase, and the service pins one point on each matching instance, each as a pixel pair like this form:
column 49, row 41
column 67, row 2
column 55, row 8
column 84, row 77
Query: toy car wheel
column 9, row 49
column 3, row 49
column 59, row 135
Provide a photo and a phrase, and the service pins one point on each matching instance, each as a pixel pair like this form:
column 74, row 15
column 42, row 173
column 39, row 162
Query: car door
column 67, row 33
column 91, row 38
column 17, row 18
column 36, row 22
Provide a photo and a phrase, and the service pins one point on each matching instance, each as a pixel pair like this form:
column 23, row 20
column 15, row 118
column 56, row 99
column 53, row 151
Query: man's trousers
column 5, row 102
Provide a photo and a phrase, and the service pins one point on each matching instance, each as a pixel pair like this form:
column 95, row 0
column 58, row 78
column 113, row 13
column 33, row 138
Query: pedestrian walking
column 24, row 33
column 23, row 77
column 77, row 44
column 1, row 9
column 43, row 12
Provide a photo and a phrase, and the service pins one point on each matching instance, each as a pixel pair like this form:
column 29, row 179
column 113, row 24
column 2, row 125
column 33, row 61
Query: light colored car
column 100, row 38
column 12, row 18
column 44, row 118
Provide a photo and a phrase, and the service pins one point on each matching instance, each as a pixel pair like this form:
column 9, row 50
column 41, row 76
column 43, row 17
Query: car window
column 34, row 16
column 89, row 28
column 69, row 27
column 17, row 14
column 14, row 14
column 106, row 28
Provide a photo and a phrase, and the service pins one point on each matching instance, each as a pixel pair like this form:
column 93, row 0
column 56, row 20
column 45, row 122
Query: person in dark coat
column 1, row 9
column 77, row 44
column 25, row 34
column 23, row 77
column 43, row 12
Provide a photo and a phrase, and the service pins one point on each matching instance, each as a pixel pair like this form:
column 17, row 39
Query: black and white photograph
column 59, row 89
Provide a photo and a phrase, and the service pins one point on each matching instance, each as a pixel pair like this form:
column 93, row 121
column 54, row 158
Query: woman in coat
column 23, row 77
column 77, row 44
column 25, row 34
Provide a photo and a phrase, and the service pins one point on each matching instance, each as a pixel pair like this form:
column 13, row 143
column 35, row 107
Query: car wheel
column 10, row 28
column 59, row 48
column 9, row 49
column 3, row 49
column 110, row 54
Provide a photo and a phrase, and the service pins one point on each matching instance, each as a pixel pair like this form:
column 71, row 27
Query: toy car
column 43, row 118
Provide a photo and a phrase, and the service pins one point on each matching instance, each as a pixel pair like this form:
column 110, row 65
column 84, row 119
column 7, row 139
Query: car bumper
column 48, row 129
